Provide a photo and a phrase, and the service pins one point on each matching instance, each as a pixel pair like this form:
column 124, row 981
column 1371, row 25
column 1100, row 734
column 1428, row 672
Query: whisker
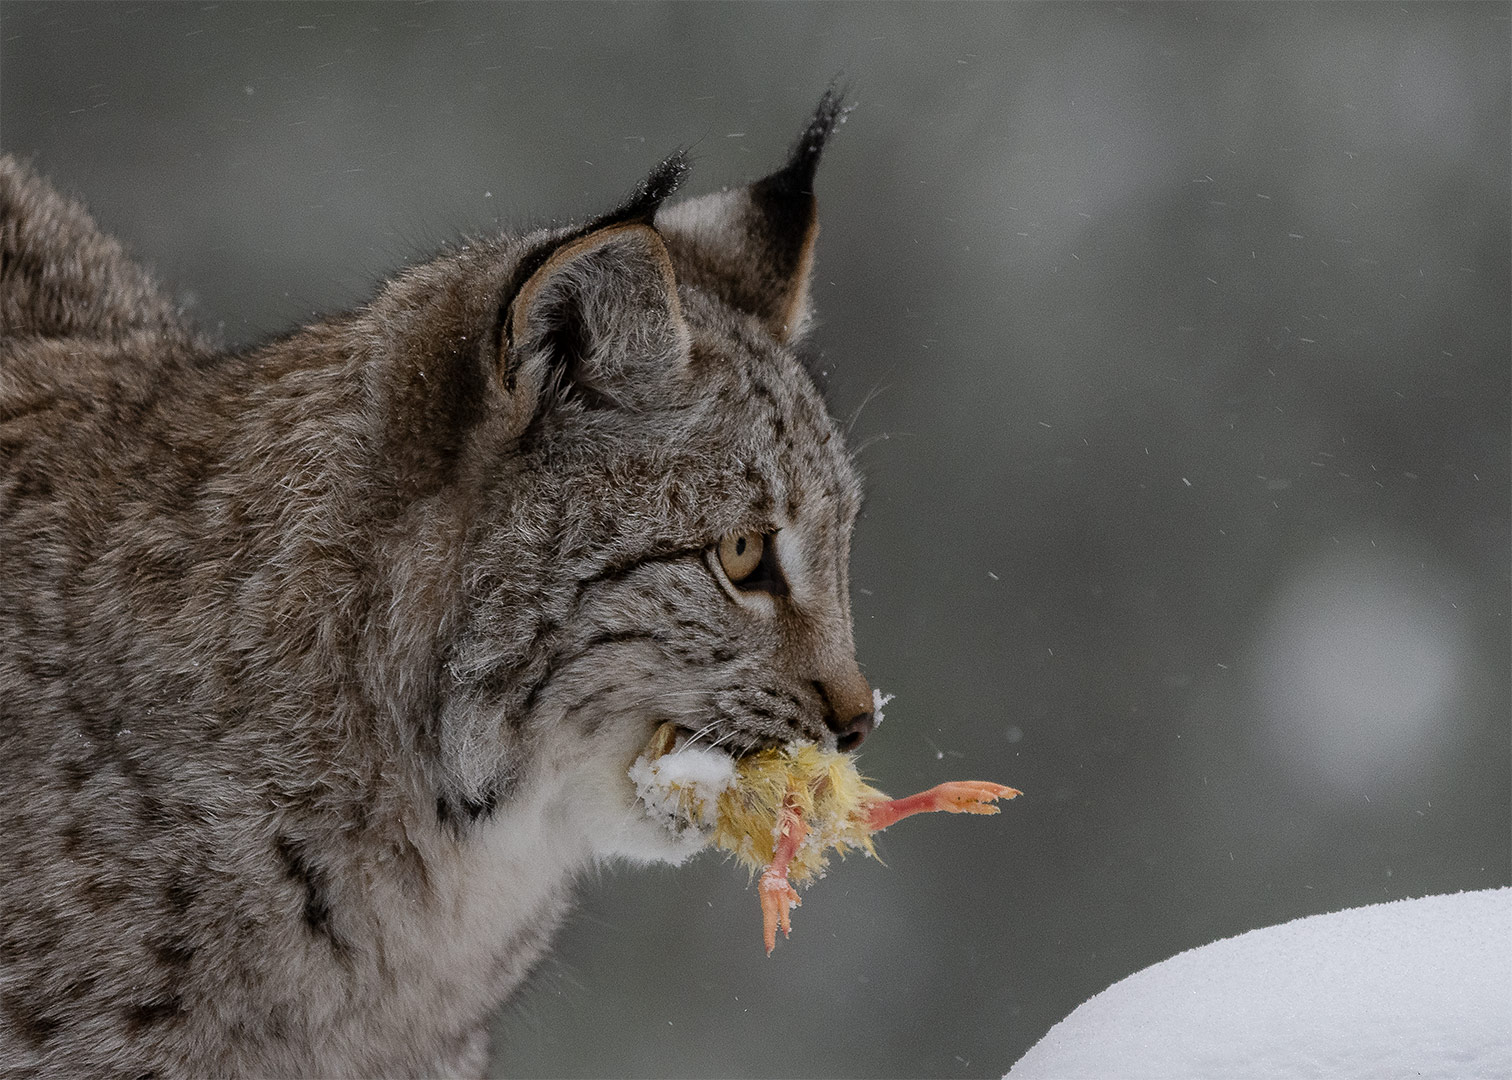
column 700, row 733
column 727, row 735
column 875, row 392
column 881, row 436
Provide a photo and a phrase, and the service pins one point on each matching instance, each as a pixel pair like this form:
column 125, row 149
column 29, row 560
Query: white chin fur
column 595, row 793
column 643, row 840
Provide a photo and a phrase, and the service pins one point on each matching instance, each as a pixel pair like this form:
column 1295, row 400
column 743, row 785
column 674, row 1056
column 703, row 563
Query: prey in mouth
column 782, row 809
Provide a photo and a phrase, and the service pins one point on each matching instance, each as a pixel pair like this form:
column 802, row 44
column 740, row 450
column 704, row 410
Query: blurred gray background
column 1174, row 343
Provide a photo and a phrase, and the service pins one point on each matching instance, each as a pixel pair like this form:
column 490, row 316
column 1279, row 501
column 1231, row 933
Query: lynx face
column 729, row 613
column 668, row 470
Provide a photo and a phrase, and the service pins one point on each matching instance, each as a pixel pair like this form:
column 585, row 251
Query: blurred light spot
column 1356, row 663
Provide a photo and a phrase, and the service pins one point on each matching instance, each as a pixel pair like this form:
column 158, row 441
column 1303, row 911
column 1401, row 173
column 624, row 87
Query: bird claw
column 955, row 797
column 778, row 899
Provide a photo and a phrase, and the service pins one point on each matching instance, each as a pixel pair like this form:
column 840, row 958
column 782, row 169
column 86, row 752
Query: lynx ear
column 754, row 246
column 598, row 318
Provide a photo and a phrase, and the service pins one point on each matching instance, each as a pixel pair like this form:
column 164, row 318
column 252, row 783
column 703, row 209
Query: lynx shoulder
column 324, row 662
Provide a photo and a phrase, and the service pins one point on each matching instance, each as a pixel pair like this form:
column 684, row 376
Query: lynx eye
column 740, row 555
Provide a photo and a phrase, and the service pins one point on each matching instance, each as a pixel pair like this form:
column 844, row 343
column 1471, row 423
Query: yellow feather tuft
column 823, row 784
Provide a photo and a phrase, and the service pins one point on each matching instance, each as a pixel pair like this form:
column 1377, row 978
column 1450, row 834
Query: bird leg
column 956, row 797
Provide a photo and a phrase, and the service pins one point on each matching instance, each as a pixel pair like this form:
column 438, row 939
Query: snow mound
column 1419, row 988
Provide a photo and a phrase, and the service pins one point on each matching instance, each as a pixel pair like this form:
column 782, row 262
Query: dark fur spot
column 480, row 808
column 29, row 484
column 153, row 817
column 180, row 895
column 33, row 1022
column 105, row 891
column 159, row 1009
column 458, row 405
column 173, row 952
column 434, row 412
column 76, row 774
column 278, row 1025
column 312, row 878
column 763, row 392
column 536, row 688
column 415, row 876
column 463, row 809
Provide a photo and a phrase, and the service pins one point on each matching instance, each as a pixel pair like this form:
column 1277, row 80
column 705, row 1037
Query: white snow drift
column 1416, row 988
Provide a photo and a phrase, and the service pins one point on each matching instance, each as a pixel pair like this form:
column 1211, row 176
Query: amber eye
column 740, row 555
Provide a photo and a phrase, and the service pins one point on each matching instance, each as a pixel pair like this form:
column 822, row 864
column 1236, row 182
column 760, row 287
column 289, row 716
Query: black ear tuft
column 650, row 193
column 754, row 246
column 639, row 209
column 797, row 176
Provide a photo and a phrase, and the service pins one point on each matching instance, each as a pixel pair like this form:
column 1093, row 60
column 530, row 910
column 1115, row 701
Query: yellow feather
column 824, row 785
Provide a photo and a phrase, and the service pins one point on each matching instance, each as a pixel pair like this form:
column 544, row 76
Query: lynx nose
column 852, row 731
column 849, row 712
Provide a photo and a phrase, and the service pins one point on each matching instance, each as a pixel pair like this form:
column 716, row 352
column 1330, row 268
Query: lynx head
column 659, row 505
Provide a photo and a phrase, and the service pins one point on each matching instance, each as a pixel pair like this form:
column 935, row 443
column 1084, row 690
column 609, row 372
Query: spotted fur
column 322, row 663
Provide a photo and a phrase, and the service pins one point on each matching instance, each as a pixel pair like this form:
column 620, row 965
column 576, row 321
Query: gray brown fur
column 321, row 664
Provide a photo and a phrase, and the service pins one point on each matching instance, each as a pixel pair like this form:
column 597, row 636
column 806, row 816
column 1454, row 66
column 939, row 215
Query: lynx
column 322, row 663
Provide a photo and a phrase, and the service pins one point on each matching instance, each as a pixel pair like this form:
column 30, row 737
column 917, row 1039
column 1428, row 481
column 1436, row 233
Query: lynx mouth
column 673, row 737
column 666, row 738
